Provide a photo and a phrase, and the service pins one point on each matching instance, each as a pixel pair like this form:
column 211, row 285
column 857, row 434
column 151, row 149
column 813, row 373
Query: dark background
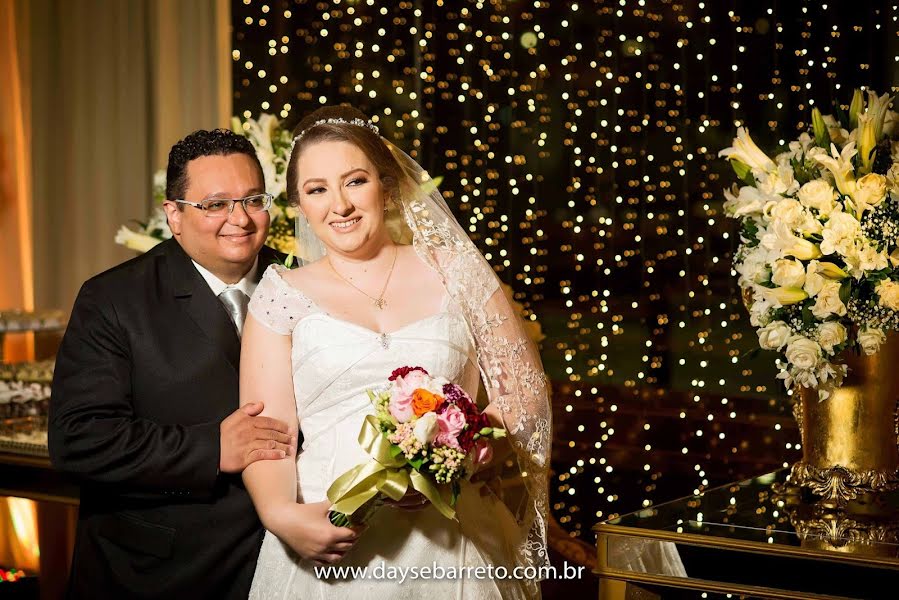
column 579, row 142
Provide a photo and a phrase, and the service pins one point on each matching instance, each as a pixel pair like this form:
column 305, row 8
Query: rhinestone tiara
column 337, row 121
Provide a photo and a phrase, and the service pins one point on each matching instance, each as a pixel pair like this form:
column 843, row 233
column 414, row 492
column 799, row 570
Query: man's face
column 220, row 244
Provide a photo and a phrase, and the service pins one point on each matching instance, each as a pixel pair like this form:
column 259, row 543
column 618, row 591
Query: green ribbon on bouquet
column 385, row 474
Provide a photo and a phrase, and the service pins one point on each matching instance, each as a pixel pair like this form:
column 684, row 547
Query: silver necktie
column 235, row 302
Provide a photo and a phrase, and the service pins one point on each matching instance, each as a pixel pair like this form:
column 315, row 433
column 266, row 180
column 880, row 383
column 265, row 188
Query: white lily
column 781, row 238
column 867, row 139
column 840, row 166
column 877, row 109
column 132, row 240
column 786, row 296
column 745, row 150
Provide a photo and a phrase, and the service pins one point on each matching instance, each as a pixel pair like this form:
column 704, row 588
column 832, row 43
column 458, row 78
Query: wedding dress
column 334, row 362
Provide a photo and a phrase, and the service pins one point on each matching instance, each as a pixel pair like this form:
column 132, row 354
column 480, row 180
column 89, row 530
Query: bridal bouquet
column 272, row 143
column 819, row 249
column 426, row 432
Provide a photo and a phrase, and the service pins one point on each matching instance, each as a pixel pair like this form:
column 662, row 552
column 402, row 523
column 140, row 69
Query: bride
column 390, row 280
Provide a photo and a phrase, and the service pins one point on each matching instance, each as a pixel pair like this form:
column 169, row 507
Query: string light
column 578, row 144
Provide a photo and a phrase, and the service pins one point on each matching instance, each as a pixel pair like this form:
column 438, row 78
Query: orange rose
column 424, row 401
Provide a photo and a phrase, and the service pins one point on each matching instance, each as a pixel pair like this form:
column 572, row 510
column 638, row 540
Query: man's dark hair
column 218, row 142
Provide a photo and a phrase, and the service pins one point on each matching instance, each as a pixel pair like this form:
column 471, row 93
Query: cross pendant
column 380, row 303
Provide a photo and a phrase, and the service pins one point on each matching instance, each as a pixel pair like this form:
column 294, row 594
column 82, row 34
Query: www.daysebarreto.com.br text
column 386, row 572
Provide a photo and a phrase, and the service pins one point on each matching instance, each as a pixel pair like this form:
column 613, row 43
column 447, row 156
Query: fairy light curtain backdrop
column 578, row 142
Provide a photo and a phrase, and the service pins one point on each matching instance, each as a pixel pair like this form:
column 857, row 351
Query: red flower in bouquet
column 403, row 371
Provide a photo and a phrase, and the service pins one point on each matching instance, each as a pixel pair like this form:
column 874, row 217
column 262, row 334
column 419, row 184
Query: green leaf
column 808, row 319
column 417, row 462
column 751, row 354
column 845, row 290
column 822, row 136
column 744, row 173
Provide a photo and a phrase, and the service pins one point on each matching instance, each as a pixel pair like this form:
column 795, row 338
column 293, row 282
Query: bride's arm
column 266, row 376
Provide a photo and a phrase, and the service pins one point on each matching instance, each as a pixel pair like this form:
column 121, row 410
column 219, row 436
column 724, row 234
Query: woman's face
column 342, row 197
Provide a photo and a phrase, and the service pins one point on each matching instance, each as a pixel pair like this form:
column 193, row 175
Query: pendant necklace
column 379, row 302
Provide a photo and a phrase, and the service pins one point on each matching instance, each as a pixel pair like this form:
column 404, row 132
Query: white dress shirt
column 247, row 285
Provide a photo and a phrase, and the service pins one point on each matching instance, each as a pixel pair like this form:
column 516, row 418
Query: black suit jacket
column 146, row 372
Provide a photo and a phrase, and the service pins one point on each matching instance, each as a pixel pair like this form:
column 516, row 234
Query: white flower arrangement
column 272, row 143
column 819, row 248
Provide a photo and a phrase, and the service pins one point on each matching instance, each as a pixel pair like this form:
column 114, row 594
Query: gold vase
column 849, row 440
column 862, row 530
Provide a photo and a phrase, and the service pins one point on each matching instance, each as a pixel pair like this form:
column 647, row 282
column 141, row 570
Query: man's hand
column 307, row 529
column 246, row 438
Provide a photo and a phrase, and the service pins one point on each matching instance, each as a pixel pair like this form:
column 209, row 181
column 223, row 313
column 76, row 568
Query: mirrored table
column 757, row 538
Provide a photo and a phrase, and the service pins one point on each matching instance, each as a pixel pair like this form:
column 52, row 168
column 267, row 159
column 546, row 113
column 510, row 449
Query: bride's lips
column 345, row 226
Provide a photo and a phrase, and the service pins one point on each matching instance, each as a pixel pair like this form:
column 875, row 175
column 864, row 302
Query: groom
column 144, row 404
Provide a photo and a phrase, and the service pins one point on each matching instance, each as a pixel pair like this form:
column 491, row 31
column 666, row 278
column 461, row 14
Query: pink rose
column 401, row 408
column 400, row 405
column 482, row 452
column 451, row 423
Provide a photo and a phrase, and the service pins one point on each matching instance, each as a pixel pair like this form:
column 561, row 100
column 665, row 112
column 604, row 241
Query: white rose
column 803, row 353
column 820, row 195
column 787, row 272
column 426, row 428
column 870, row 340
column 774, row 336
column 787, row 210
column 870, row 190
column 828, row 302
column 888, row 291
column 830, row 335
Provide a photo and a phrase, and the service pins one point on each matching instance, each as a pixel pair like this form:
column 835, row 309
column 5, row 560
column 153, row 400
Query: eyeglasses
column 221, row 208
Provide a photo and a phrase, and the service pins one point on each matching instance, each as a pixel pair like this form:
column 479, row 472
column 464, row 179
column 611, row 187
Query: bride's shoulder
column 279, row 299
column 296, row 279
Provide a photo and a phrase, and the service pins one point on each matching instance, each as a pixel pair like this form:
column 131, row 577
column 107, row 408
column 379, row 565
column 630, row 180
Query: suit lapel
column 268, row 256
column 196, row 299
